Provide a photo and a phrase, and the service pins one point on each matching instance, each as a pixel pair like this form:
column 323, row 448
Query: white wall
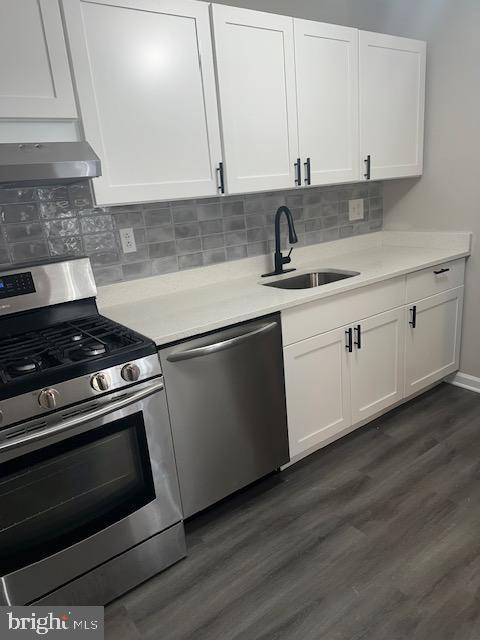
column 448, row 194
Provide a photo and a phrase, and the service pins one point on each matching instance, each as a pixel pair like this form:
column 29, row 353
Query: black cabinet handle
column 368, row 167
column 221, row 179
column 358, row 340
column 298, row 172
column 349, row 340
column 441, row 271
column 413, row 316
column 308, row 172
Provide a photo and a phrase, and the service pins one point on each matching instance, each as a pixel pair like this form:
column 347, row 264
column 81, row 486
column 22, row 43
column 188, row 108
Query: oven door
column 89, row 484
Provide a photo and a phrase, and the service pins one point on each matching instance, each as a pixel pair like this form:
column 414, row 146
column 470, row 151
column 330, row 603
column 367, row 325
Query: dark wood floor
column 376, row 537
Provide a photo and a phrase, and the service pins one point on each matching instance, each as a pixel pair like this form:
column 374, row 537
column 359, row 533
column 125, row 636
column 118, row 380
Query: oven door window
column 65, row 492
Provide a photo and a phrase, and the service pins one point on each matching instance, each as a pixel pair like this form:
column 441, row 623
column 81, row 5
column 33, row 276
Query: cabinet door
column 317, row 389
column 35, row 77
column 146, row 86
column 256, row 83
column 377, row 364
column 326, row 63
column 392, row 100
column 433, row 344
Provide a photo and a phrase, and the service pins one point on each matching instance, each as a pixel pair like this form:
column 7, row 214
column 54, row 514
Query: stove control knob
column 48, row 398
column 100, row 382
column 131, row 372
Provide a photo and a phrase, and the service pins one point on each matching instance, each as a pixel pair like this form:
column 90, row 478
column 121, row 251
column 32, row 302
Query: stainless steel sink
column 310, row 280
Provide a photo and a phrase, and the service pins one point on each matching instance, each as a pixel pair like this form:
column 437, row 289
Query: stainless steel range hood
column 47, row 163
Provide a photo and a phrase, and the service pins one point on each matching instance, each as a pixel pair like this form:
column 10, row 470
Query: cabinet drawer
column 319, row 316
column 441, row 277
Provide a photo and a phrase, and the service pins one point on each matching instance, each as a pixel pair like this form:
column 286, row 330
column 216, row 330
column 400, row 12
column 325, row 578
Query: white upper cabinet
column 326, row 62
column 392, row 101
column 256, row 83
column 35, row 77
column 146, row 87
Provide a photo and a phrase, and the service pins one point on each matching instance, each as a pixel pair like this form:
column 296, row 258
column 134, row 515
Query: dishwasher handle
column 198, row 352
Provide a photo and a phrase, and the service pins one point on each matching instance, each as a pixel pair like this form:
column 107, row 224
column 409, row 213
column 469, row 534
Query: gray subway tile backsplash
column 156, row 217
column 214, row 256
column 99, row 242
column 235, row 238
column 209, row 211
column 160, row 234
column 128, row 219
column 96, row 223
column 26, row 251
column 66, row 246
column 24, row 231
column 187, row 230
column 54, row 221
column 164, row 265
column 191, row 260
column 137, row 270
column 162, row 249
column 25, row 212
column 235, row 253
column 189, row 245
column 62, row 227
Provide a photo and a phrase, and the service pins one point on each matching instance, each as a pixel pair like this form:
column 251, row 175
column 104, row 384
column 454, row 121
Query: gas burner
column 94, row 349
column 22, row 367
column 90, row 350
column 75, row 337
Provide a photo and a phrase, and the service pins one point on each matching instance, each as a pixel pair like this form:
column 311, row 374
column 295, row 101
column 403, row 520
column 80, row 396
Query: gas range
column 90, row 504
column 53, row 355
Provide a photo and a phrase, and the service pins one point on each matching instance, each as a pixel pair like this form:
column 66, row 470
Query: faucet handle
column 287, row 258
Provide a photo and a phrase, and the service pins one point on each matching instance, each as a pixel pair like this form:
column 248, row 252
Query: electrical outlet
column 355, row 209
column 127, row 239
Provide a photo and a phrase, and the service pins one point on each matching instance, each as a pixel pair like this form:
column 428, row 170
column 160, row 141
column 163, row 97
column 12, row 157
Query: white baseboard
column 465, row 380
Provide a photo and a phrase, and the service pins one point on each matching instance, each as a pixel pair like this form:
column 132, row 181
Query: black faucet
column 280, row 259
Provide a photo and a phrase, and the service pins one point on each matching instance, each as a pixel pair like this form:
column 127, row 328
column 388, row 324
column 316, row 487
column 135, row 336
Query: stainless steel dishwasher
column 226, row 398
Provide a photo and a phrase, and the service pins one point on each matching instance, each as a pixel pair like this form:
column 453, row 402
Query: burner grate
column 67, row 343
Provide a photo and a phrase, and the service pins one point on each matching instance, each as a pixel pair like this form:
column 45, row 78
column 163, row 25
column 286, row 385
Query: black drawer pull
column 413, row 321
column 308, row 172
column 221, row 186
column 437, row 273
column 349, row 340
column 298, row 172
column 368, row 162
column 358, row 341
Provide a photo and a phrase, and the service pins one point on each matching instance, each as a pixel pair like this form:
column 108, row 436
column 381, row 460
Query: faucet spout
column 279, row 258
column 292, row 234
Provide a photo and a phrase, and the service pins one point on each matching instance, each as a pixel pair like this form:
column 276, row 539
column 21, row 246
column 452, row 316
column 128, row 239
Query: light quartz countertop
column 183, row 304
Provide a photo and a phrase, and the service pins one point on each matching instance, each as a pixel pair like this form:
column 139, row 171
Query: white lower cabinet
column 342, row 378
column 432, row 348
column 377, row 364
column 317, row 380
column 330, row 387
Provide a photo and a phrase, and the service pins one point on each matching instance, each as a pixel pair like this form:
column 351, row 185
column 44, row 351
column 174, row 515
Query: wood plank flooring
column 376, row 537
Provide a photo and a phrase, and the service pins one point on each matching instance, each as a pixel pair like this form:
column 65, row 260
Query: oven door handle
column 79, row 420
